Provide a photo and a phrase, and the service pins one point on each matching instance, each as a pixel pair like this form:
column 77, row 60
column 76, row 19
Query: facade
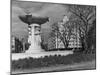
column 56, row 43
column 74, row 41
column 16, row 45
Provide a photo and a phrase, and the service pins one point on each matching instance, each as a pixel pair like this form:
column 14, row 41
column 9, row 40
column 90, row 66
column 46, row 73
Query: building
column 16, row 45
column 56, row 43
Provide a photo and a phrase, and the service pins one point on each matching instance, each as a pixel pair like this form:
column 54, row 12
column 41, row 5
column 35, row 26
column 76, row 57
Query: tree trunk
column 84, row 44
column 66, row 43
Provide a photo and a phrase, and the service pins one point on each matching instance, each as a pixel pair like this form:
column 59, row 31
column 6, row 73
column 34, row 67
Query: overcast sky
column 54, row 11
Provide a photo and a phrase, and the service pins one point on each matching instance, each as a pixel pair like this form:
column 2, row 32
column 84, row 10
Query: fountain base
column 34, row 49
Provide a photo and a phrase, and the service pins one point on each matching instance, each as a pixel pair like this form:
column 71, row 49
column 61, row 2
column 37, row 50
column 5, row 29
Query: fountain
column 34, row 28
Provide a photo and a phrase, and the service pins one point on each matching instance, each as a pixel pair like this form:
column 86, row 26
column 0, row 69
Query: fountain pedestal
column 34, row 39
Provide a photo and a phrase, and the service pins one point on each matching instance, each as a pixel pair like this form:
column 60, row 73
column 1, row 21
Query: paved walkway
column 16, row 56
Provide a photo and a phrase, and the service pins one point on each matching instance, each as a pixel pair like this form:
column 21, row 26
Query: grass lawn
column 75, row 61
column 56, row 68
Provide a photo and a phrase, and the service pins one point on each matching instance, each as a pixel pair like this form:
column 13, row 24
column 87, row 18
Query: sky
column 55, row 12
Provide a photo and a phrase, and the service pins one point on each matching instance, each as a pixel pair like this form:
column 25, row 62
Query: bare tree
column 84, row 17
column 63, row 32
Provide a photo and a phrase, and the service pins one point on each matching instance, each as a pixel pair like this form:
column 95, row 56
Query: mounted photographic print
column 52, row 37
